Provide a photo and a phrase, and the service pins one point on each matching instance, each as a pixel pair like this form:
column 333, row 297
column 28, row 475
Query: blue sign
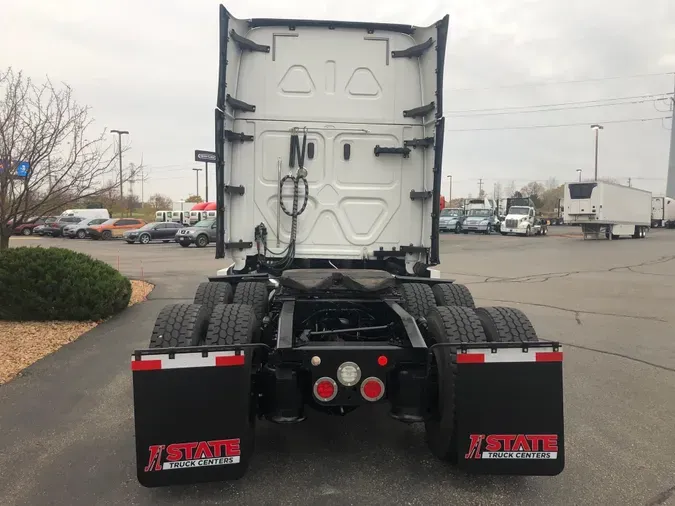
column 22, row 169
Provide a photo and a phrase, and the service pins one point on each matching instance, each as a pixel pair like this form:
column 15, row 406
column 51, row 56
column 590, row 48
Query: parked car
column 200, row 234
column 79, row 230
column 155, row 231
column 55, row 228
column 31, row 224
column 113, row 228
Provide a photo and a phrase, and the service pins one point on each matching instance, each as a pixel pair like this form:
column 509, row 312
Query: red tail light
column 325, row 389
column 372, row 389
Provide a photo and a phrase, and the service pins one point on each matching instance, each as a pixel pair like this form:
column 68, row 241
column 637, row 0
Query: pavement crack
column 662, row 497
column 578, row 312
column 546, row 276
column 620, row 355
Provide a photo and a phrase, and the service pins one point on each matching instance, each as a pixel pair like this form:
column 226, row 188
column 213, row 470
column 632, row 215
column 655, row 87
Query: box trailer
column 343, row 315
column 613, row 209
column 663, row 212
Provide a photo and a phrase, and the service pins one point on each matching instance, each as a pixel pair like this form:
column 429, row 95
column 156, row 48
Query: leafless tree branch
column 44, row 125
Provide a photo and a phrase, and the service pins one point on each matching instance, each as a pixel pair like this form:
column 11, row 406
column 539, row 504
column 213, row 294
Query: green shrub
column 58, row 284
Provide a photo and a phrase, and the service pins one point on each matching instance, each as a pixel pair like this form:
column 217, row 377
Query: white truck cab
column 522, row 220
column 332, row 137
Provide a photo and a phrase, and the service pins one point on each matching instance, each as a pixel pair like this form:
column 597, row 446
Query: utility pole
column 120, row 133
column 597, row 129
column 197, row 171
column 670, row 183
column 480, row 188
column 132, row 174
column 450, row 189
column 142, row 182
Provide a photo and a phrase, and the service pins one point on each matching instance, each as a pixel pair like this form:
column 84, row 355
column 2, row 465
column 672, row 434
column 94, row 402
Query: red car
column 31, row 223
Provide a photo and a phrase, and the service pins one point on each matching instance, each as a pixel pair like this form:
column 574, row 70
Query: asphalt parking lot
column 67, row 423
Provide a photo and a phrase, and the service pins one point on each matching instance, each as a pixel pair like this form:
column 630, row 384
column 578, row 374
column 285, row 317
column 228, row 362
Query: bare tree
column 195, row 199
column 48, row 157
column 551, row 183
column 160, row 202
column 510, row 189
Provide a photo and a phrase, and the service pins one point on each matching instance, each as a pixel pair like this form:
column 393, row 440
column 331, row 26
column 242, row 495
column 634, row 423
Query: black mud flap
column 509, row 405
column 193, row 414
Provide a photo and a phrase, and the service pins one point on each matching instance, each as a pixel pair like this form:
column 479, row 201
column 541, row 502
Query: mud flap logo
column 512, row 446
column 195, row 454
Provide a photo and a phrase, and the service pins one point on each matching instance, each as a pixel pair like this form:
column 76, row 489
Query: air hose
column 301, row 175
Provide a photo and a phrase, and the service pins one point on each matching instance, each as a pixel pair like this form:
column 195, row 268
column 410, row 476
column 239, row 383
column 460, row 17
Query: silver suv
column 200, row 234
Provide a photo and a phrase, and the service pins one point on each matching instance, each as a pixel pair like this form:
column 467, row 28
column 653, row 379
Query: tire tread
column 232, row 324
column 418, row 298
column 452, row 294
column 179, row 325
column 506, row 325
column 252, row 294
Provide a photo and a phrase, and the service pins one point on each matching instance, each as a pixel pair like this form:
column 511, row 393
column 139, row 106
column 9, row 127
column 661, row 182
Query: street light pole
column 120, row 133
column 197, row 171
column 206, row 175
column 597, row 129
column 579, row 172
column 450, row 189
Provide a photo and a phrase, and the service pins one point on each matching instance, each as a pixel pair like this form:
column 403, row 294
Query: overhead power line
column 571, row 81
column 560, row 106
column 526, row 127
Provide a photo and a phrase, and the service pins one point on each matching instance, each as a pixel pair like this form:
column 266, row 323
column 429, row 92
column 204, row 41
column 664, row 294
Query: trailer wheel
column 418, row 299
column 453, row 325
column 180, row 325
column 452, row 294
column 252, row 294
column 232, row 324
column 210, row 294
column 506, row 325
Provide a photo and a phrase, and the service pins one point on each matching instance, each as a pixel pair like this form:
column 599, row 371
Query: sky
column 150, row 67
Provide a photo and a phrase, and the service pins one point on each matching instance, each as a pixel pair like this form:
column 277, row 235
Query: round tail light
column 325, row 389
column 349, row 374
column 372, row 389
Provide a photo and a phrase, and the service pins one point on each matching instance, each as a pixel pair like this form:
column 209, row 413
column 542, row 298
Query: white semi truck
column 663, row 212
column 521, row 218
column 613, row 209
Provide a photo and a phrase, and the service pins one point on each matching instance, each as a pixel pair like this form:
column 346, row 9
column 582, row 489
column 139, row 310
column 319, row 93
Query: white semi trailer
column 615, row 210
column 663, row 212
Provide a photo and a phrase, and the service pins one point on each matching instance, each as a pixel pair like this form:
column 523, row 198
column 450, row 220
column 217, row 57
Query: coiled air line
column 288, row 253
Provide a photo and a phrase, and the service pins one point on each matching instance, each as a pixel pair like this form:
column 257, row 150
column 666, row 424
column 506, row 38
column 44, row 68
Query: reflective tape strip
column 486, row 356
column 187, row 360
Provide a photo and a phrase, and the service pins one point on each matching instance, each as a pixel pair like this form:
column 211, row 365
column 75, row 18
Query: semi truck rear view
column 329, row 142
column 608, row 209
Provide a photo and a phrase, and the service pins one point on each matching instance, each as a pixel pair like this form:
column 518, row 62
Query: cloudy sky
column 150, row 67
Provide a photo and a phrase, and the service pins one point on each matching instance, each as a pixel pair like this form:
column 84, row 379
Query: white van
column 87, row 213
column 163, row 216
column 182, row 217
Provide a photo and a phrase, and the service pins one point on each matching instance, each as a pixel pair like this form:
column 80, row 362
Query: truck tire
column 180, row 325
column 418, row 299
column 210, row 294
column 452, row 294
column 252, row 294
column 232, row 324
column 506, row 325
column 454, row 325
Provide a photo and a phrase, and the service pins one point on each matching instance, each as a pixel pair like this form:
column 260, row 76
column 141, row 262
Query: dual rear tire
column 454, row 325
